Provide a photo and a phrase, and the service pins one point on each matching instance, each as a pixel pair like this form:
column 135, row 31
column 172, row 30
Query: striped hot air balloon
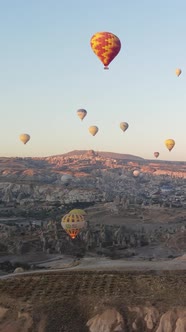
column 106, row 46
column 72, row 224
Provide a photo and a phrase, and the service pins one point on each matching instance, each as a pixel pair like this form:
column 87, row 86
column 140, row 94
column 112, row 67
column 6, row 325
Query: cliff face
column 24, row 194
column 84, row 177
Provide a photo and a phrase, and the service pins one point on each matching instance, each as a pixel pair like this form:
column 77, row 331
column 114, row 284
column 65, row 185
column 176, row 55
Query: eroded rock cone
column 108, row 321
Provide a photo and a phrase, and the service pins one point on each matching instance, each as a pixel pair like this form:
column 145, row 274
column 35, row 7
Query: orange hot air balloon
column 106, row 46
column 178, row 72
column 124, row 126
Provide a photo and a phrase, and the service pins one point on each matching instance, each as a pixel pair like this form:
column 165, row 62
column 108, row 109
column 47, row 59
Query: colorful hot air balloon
column 156, row 154
column 106, row 46
column 124, row 126
column 81, row 113
column 178, row 71
column 24, row 138
column 169, row 143
column 93, row 130
column 72, row 224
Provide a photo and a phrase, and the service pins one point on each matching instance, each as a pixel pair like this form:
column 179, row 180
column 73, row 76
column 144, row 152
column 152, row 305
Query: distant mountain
column 112, row 155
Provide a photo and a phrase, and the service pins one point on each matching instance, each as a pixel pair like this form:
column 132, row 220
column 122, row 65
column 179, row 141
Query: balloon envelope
column 24, row 138
column 124, row 126
column 78, row 211
column 66, row 178
column 93, row 130
column 169, row 143
column 72, row 224
column 81, row 113
column 136, row 173
column 156, row 154
column 178, row 71
column 106, row 46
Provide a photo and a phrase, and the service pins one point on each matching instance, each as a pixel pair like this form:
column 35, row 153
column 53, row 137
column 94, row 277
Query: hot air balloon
column 93, row 130
column 24, row 138
column 136, row 173
column 66, row 178
column 169, row 143
column 124, row 126
column 72, row 224
column 178, row 71
column 81, row 113
column 156, row 154
column 106, row 46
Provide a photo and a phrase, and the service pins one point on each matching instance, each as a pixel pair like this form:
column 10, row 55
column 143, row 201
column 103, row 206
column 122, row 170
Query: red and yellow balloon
column 106, row 46
column 72, row 223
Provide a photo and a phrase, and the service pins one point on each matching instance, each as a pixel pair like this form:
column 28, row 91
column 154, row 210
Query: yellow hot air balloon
column 178, row 71
column 72, row 224
column 24, row 138
column 81, row 113
column 93, row 130
column 169, row 143
column 106, row 46
column 78, row 211
column 124, row 126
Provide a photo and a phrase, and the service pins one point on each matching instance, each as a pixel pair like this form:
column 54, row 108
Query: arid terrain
column 109, row 300
column 129, row 259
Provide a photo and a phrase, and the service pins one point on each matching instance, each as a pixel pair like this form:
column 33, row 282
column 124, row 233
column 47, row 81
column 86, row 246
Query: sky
column 48, row 71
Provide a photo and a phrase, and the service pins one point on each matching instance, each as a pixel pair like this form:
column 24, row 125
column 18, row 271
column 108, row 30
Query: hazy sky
column 48, row 71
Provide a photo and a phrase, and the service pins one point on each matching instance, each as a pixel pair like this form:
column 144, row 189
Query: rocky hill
column 135, row 218
column 81, row 177
column 111, row 155
column 135, row 211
